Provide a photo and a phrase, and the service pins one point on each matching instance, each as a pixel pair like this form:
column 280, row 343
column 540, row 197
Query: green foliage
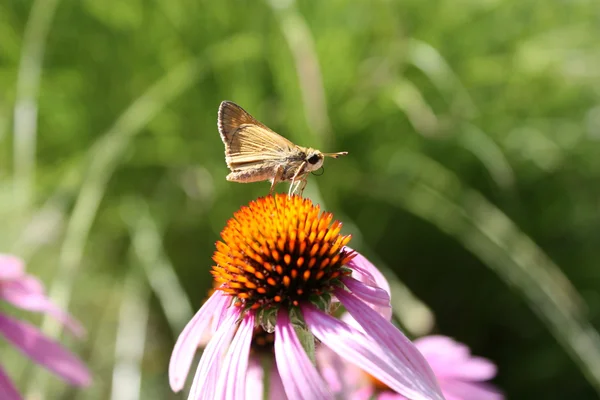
column 473, row 133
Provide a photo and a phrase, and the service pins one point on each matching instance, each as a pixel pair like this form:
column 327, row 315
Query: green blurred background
column 473, row 128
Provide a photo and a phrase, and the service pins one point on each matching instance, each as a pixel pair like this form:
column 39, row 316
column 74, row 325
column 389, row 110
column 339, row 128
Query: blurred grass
column 473, row 136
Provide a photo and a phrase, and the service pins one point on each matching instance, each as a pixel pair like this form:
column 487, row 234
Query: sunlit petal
column 187, row 342
column 299, row 376
column 209, row 368
column 232, row 382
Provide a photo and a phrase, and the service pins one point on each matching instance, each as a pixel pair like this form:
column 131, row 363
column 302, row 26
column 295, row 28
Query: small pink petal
column 473, row 369
column 44, row 351
column 190, row 337
column 375, row 296
column 255, row 376
column 232, row 382
column 450, row 359
column 365, row 352
column 392, row 338
column 455, row 389
column 11, row 267
column 7, row 390
column 299, row 376
column 276, row 389
column 445, row 346
column 209, row 369
column 26, row 295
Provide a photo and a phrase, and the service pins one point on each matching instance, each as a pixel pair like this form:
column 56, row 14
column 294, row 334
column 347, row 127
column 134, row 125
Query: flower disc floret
column 280, row 250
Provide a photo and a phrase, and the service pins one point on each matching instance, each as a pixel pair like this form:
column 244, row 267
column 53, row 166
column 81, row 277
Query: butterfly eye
column 314, row 159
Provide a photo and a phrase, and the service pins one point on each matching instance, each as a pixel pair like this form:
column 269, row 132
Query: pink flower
column 461, row 376
column 26, row 292
column 283, row 266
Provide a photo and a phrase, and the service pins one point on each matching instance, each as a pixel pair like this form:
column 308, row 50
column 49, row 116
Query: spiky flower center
column 280, row 250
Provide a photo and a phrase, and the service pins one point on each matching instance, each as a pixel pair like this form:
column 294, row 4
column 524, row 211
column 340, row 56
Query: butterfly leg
column 276, row 179
column 295, row 181
column 294, row 187
column 301, row 186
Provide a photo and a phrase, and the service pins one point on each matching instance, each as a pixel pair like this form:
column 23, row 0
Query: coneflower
column 282, row 266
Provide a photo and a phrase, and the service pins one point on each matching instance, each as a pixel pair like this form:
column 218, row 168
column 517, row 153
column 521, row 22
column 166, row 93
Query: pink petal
column 232, row 382
column 367, row 273
column 470, row 391
column 276, row 389
column 255, row 376
column 365, row 352
column 390, row 337
column 299, row 376
column 11, row 267
column 44, row 351
column 450, row 359
column 188, row 340
column 375, row 296
column 31, row 284
column 209, row 369
column 27, row 294
column 473, row 369
column 442, row 346
column 7, row 390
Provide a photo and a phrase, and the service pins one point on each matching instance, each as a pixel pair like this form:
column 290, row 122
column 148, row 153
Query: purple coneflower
column 26, row 292
column 282, row 266
column 461, row 376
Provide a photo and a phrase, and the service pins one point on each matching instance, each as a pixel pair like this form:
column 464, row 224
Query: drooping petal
column 369, row 275
column 390, row 337
column 276, row 389
column 369, row 294
column 8, row 391
column 366, row 272
column 255, row 386
column 28, row 294
column 232, row 381
column 209, row 368
column 188, row 340
column 450, row 359
column 299, row 376
column 44, row 351
column 367, row 353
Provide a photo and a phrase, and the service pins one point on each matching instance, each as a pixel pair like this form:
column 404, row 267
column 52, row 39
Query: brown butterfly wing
column 248, row 143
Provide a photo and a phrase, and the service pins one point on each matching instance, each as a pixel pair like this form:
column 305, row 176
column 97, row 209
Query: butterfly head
column 314, row 158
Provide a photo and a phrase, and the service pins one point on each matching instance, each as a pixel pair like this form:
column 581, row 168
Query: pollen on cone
column 270, row 247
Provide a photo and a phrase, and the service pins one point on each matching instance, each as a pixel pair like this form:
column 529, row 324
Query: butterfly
column 255, row 153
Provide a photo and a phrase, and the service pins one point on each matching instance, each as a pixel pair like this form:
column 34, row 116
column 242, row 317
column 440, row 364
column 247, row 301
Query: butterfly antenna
column 335, row 155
